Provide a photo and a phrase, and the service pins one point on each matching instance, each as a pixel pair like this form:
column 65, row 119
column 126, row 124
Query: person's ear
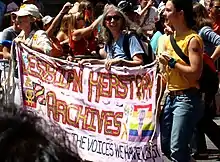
column 181, row 13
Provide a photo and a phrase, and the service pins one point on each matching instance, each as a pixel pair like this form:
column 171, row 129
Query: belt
column 185, row 91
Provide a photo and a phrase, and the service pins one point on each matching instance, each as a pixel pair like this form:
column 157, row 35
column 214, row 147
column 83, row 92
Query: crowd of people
column 133, row 33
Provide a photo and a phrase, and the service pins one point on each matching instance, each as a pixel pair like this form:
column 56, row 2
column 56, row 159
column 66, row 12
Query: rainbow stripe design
column 141, row 125
column 87, row 18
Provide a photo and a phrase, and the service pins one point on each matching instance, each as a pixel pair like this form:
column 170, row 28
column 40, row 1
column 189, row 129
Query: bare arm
column 66, row 41
column 92, row 61
column 146, row 8
column 216, row 53
column 61, row 36
column 75, row 8
column 137, row 61
column 6, row 53
column 195, row 58
column 58, row 19
column 85, row 31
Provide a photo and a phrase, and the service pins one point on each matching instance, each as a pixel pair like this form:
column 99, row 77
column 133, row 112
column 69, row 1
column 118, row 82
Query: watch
column 172, row 63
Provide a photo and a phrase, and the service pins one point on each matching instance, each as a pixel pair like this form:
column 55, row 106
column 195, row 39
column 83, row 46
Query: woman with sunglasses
column 114, row 24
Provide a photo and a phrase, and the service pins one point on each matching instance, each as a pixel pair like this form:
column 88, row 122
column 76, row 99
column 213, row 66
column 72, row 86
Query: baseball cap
column 28, row 9
column 25, row 1
column 47, row 19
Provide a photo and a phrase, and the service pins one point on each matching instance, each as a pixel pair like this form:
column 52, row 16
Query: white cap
column 47, row 19
column 28, row 9
column 25, row 1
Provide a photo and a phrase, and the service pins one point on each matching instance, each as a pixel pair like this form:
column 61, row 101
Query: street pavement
column 214, row 154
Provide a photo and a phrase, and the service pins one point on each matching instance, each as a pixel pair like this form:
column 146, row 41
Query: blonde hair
column 65, row 23
column 127, row 24
column 85, row 5
column 72, row 22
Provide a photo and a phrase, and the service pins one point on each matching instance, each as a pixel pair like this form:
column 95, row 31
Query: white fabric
column 106, row 116
column 47, row 19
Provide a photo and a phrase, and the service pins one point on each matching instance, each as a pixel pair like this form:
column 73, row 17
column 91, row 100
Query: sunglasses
column 217, row 7
column 115, row 17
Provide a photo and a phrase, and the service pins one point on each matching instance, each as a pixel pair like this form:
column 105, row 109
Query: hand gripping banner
column 108, row 115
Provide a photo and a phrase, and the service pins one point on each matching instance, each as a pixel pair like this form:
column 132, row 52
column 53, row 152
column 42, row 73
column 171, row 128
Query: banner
column 109, row 115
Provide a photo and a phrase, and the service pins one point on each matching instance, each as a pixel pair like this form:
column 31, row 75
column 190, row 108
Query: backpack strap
column 126, row 46
column 148, row 56
column 178, row 50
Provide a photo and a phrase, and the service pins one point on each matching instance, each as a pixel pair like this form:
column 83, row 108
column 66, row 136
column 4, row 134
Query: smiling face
column 114, row 21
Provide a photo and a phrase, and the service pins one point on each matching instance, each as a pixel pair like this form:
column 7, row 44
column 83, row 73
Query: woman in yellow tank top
column 183, row 107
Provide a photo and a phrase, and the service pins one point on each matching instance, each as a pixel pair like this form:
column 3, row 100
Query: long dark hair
column 201, row 16
column 22, row 140
column 187, row 7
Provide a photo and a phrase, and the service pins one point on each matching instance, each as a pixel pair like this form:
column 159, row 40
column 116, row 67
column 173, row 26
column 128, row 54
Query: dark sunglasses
column 115, row 17
column 217, row 7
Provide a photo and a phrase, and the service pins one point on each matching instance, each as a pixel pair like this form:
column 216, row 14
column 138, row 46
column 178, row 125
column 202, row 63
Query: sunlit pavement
column 214, row 154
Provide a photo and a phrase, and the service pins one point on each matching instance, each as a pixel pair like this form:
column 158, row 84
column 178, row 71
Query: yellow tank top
column 176, row 80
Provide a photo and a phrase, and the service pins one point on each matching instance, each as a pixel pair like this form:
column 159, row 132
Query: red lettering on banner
column 58, row 108
column 61, row 80
column 109, row 114
column 84, row 117
column 91, row 113
column 50, row 75
column 144, row 86
column 76, row 80
column 31, row 68
column 117, row 124
column 105, row 83
column 69, row 120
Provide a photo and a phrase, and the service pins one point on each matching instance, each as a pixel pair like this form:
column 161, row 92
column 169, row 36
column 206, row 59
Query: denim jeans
column 178, row 120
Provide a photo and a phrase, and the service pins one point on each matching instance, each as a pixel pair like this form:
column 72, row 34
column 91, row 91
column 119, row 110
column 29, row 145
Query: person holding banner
column 28, row 17
column 183, row 106
column 114, row 24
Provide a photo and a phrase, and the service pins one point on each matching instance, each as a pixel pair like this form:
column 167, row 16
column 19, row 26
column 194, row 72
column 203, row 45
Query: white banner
column 110, row 115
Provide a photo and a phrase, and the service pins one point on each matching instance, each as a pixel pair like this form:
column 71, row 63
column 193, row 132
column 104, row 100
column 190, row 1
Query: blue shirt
column 116, row 49
column 210, row 39
column 2, row 12
column 154, row 41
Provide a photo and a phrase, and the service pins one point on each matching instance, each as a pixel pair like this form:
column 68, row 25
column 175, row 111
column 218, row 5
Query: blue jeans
column 178, row 120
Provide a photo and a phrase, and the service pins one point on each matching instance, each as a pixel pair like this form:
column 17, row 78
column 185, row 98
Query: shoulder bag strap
column 178, row 51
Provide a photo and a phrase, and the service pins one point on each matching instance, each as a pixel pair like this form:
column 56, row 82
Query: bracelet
column 172, row 63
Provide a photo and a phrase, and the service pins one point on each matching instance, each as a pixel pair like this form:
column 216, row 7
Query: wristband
column 172, row 63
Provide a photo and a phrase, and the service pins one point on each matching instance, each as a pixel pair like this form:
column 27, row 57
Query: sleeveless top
column 177, row 80
column 83, row 46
